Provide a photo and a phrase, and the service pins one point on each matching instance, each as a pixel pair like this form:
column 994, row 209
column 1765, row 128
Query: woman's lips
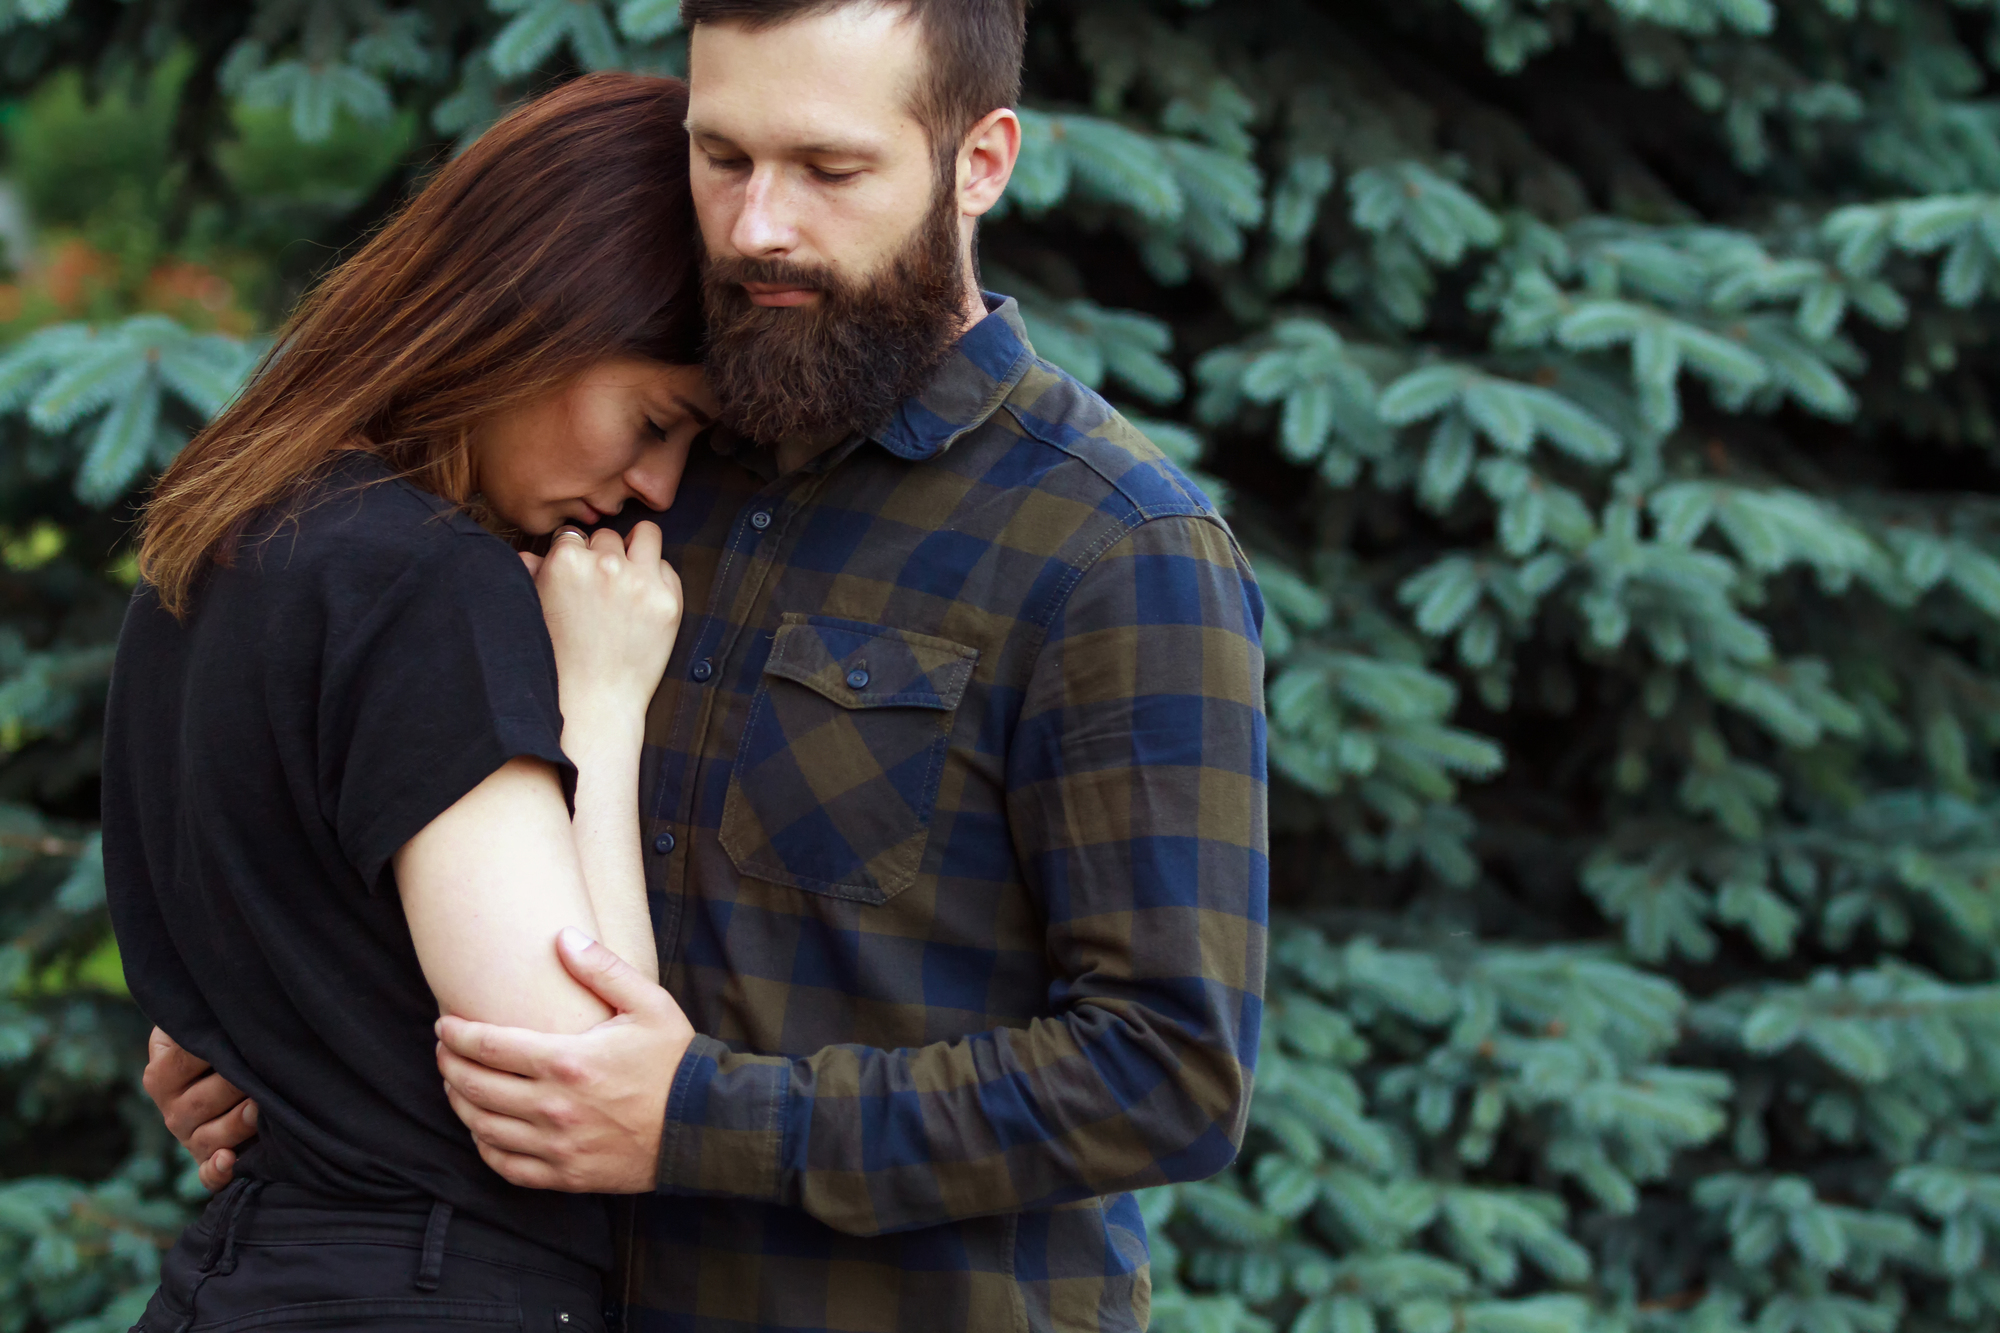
column 775, row 294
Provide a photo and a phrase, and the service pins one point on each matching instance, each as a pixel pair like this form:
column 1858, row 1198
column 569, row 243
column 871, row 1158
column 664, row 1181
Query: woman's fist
column 613, row 608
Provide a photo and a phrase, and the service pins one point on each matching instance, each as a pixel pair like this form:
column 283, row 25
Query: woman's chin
column 538, row 524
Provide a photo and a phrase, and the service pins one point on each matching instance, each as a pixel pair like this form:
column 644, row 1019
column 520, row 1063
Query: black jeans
column 280, row 1257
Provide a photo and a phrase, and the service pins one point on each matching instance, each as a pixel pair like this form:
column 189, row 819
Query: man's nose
column 764, row 225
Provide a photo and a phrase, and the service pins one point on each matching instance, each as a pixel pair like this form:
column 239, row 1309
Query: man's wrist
column 725, row 1124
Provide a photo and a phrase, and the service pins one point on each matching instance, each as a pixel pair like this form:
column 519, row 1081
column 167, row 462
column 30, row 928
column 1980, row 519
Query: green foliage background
column 1602, row 389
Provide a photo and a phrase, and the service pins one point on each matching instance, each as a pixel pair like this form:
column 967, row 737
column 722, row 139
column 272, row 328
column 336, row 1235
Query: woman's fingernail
column 575, row 940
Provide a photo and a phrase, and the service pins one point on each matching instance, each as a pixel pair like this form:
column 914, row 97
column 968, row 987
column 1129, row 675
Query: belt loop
column 227, row 1263
column 431, row 1270
column 221, row 1257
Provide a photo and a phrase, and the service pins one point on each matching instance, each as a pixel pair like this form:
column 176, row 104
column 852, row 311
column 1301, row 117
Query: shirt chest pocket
column 842, row 752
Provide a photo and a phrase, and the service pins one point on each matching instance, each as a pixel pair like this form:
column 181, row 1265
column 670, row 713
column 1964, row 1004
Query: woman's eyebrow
column 700, row 416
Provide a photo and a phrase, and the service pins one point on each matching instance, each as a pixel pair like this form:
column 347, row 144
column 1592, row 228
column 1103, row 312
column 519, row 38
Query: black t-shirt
column 370, row 657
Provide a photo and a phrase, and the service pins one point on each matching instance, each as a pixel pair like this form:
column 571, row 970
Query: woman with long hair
column 364, row 762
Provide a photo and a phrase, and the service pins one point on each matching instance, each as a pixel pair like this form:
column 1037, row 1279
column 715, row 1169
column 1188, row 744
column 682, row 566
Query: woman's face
column 620, row 430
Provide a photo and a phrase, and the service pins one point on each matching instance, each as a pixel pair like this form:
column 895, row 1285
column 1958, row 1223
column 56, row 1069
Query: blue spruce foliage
column 1602, row 390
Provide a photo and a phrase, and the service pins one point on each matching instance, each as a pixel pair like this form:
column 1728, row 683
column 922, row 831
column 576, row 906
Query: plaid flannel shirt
column 954, row 795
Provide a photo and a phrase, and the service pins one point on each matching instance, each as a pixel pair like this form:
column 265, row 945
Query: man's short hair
column 972, row 51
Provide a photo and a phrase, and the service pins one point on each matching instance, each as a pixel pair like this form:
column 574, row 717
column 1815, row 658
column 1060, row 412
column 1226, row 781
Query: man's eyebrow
column 831, row 148
column 819, row 148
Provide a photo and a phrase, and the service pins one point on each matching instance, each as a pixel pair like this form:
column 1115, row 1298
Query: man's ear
column 986, row 161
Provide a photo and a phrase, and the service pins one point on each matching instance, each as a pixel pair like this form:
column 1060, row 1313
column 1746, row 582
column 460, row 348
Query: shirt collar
column 989, row 360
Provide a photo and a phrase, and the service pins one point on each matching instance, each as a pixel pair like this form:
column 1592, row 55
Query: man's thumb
column 604, row 973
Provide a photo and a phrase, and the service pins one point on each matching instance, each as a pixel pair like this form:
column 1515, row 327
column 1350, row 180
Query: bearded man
column 954, row 792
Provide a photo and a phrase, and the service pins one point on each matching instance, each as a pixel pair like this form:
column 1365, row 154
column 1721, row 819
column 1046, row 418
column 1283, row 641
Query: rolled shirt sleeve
column 1136, row 802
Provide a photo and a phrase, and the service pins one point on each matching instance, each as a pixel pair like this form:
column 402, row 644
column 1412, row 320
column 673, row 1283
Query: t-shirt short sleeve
column 446, row 677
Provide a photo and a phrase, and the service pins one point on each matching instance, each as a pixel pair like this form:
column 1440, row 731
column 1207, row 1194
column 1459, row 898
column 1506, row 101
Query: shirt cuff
column 725, row 1125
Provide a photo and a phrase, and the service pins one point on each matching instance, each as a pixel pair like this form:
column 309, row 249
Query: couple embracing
column 653, row 610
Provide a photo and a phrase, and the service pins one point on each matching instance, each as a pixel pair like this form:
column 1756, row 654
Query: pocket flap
column 870, row 666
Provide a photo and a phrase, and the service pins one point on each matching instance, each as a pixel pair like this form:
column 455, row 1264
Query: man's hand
column 579, row 1113
column 204, row 1111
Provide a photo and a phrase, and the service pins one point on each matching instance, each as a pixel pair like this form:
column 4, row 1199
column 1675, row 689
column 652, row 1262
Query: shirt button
column 664, row 843
column 760, row 520
column 703, row 669
column 857, row 679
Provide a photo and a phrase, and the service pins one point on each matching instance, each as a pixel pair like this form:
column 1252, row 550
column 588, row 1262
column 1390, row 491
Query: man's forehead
column 848, row 57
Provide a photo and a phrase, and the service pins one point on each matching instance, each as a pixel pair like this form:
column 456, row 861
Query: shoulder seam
column 1198, row 506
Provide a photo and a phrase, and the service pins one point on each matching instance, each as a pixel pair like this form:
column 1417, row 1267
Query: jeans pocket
column 841, row 757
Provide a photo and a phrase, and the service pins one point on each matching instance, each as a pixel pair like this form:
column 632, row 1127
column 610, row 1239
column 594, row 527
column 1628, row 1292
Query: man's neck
column 793, row 454
column 975, row 303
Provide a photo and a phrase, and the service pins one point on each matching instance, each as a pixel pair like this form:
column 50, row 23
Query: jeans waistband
column 281, row 1213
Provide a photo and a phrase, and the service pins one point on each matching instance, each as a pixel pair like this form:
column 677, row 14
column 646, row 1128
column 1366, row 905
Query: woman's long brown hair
column 564, row 236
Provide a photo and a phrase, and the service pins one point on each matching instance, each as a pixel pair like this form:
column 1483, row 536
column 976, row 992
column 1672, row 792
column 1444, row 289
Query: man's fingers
column 504, row 1094
column 511, row 1050
column 206, row 1099
column 499, row 1131
column 228, row 1130
column 217, row 1171
column 169, row 1069
column 643, row 545
column 609, row 977
column 528, row 1172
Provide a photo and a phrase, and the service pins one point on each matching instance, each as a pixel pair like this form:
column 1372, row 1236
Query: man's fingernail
column 250, row 1114
column 575, row 940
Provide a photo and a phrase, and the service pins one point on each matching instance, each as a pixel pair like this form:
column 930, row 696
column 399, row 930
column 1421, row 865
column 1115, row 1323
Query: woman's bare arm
column 486, row 886
column 613, row 608
column 606, row 754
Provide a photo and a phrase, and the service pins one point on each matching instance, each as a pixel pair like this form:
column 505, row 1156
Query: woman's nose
column 655, row 482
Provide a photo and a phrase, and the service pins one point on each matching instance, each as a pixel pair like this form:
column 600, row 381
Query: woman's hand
column 613, row 608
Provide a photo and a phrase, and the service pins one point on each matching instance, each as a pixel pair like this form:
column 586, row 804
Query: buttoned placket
column 742, row 582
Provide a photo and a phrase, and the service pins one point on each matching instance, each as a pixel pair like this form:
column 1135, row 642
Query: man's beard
column 843, row 363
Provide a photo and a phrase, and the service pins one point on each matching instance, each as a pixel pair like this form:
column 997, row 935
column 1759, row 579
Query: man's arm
column 1136, row 783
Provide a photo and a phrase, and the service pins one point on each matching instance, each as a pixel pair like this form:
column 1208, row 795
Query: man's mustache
column 737, row 270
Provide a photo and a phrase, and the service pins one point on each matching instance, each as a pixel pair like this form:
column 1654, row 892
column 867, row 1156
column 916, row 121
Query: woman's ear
column 986, row 161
